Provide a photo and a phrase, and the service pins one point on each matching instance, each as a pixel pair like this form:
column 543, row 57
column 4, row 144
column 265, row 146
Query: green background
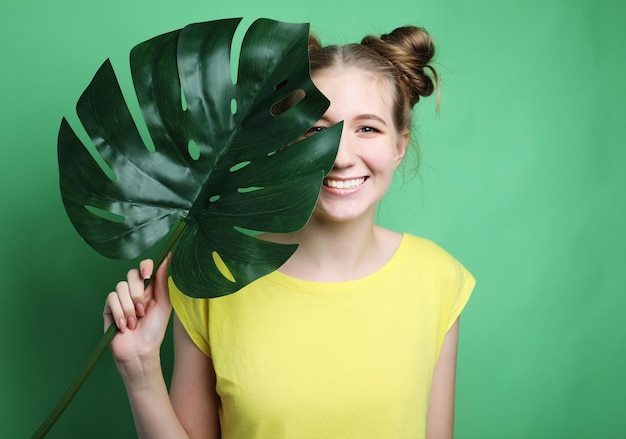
column 521, row 179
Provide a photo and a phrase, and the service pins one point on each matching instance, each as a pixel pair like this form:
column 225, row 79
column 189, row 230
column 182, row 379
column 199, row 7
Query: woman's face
column 370, row 148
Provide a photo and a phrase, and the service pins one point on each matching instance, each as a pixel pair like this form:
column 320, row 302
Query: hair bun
column 409, row 49
column 314, row 43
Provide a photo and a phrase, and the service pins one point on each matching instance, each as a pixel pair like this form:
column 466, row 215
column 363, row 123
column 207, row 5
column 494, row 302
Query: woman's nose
column 346, row 154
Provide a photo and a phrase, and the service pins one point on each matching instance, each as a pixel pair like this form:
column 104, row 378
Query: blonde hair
column 402, row 57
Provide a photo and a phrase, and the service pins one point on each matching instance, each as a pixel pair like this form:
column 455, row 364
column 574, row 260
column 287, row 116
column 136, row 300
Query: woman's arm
column 192, row 392
column 440, row 420
column 142, row 317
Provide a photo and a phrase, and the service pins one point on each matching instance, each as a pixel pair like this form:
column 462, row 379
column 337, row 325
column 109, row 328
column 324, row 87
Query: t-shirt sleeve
column 462, row 288
column 194, row 315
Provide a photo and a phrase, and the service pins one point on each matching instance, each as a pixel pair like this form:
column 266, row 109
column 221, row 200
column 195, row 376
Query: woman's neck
column 338, row 251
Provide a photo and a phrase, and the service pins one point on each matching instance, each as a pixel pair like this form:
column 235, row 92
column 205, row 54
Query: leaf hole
column 281, row 84
column 239, row 166
column 214, row 198
column 233, row 106
column 194, row 151
column 104, row 166
column 221, row 266
column 183, row 100
column 247, row 232
column 245, row 190
column 105, row 214
column 287, row 102
column 235, row 47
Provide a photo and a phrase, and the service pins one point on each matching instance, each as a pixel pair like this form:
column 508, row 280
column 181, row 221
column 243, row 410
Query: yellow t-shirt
column 299, row 359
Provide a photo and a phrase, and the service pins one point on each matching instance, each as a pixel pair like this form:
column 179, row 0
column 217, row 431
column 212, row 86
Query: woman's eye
column 315, row 130
column 368, row 130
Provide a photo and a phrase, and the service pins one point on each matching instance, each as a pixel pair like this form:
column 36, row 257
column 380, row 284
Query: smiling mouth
column 344, row 184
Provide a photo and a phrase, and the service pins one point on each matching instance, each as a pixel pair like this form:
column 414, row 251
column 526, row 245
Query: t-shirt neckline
column 377, row 276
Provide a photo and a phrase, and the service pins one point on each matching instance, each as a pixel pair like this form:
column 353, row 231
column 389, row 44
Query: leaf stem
column 100, row 348
column 78, row 382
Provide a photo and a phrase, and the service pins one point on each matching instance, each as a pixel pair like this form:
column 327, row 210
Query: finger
column 113, row 312
column 146, row 267
column 136, row 291
column 161, row 288
column 127, row 304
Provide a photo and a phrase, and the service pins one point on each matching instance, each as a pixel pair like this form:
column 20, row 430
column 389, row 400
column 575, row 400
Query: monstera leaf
column 226, row 157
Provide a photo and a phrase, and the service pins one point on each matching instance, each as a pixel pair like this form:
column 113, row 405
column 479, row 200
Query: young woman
column 355, row 336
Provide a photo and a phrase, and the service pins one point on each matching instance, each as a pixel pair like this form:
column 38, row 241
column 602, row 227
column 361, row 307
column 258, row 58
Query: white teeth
column 344, row 184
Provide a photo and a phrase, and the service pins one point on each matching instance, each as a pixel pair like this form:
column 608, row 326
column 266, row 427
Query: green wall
column 521, row 178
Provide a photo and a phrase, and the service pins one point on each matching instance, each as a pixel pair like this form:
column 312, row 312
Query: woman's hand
column 141, row 314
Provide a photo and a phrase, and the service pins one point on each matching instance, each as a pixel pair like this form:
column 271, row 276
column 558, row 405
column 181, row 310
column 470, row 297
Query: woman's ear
column 403, row 141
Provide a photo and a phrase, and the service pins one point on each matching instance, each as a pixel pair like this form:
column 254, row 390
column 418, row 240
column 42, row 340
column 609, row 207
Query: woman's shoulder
column 420, row 243
column 425, row 259
column 425, row 250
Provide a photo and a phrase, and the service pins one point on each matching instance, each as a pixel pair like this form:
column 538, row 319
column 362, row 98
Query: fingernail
column 121, row 325
column 145, row 274
column 132, row 322
column 141, row 310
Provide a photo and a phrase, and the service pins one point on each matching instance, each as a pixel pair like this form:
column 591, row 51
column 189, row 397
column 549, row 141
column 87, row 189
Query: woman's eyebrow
column 360, row 117
column 369, row 116
column 325, row 118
